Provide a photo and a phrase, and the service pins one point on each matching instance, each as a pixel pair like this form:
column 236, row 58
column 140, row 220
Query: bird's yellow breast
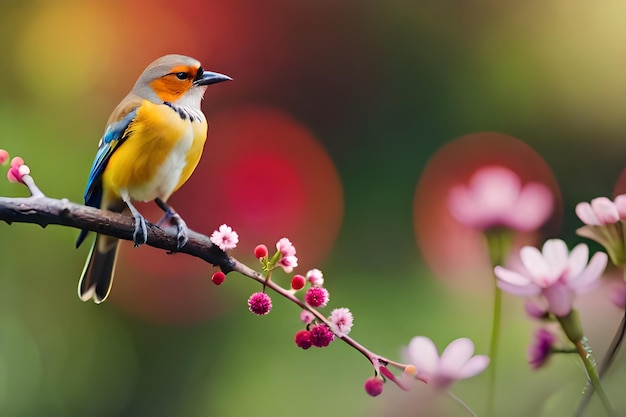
column 160, row 153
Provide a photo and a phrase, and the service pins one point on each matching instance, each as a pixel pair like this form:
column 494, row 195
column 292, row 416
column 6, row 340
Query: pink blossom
column 285, row 247
column 321, row 336
column 540, row 349
column 259, row 303
column 288, row 263
column 456, row 361
column 341, row 320
column 495, row 197
column 4, row 156
column 554, row 273
column 225, row 238
column 306, row 317
column 604, row 223
column 315, row 277
column 18, row 170
column 317, row 297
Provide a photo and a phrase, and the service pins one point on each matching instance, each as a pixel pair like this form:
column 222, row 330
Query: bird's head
column 176, row 78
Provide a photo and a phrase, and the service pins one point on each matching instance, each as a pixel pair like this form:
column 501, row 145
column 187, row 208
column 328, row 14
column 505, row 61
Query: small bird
column 151, row 145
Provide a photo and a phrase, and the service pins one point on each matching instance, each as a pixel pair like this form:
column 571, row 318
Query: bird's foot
column 140, row 235
column 174, row 218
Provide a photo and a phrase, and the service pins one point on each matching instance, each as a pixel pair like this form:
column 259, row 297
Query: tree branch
column 43, row 211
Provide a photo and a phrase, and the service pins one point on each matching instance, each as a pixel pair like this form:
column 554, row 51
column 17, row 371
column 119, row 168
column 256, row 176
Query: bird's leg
column 174, row 218
column 140, row 235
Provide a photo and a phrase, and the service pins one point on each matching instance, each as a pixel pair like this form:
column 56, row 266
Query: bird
column 151, row 145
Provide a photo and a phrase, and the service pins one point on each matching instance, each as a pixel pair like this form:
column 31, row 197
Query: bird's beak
column 209, row 78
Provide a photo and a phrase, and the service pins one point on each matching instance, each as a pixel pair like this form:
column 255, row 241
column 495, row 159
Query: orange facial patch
column 171, row 86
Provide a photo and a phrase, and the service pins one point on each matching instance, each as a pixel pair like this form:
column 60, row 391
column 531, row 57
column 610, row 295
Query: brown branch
column 43, row 211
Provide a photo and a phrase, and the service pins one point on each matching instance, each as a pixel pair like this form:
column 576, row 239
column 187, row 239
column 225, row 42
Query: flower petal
column 496, row 188
column 534, row 262
column 620, row 204
column 511, row 277
column 577, row 260
column 523, row 291
column 533, row 207
column 474, row 366
column 555, row 253
column 560, row 299
column 455, row 356
column 605, row 210
column 586, row 215
column 422, row 353
column 588, row 278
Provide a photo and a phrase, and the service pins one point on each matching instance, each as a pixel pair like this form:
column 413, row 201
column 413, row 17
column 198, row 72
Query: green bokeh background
column 382, row 85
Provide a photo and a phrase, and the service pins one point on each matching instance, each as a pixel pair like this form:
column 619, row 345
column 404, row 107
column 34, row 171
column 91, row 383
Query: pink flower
column 306, row 317
column 259, row 303
column 495, row 197
column 288, row 260
column 225, row 238
column 288, row 263
column 604, row 223
column 285, row 247
column 321, row 336
column 341, row 320
column 554, row 273
column 456, row 361
column 4, row 156
column 315, row 277
column 18, row 170
column 317, row 297
column 540, row 349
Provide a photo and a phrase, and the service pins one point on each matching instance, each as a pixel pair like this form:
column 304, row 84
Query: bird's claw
column 181, row 231
column 140, row 235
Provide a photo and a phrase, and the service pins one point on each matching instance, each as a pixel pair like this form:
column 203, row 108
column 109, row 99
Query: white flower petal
column 511, row 277
column 474, row 366
column 422, row 353
column 455, row 356
column 534, row 262
column 589, row 276
column 555, row 253
column 577, row 260
column 586, row 215
column 523, row 291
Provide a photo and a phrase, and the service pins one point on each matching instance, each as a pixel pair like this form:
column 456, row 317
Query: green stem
column 498, row 243
column 594, row 379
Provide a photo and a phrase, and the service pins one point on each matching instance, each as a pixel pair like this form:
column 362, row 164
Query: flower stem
column 498, row 243
column 585, row 354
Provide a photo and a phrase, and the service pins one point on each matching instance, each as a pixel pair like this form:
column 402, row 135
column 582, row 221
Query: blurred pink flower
column 495, row 197
column 288, row 260
column 540, row 348
column 4, row 156
column 456, row 361
column 554, row 273
column 604, row 223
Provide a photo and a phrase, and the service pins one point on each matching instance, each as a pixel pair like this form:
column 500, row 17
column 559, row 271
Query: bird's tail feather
column 97, row 277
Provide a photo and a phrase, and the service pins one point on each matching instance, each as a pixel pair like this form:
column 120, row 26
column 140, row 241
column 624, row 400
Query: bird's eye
column 181, row 75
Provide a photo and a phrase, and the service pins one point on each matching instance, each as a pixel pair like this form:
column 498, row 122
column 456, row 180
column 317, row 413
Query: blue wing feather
column 113, row 137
